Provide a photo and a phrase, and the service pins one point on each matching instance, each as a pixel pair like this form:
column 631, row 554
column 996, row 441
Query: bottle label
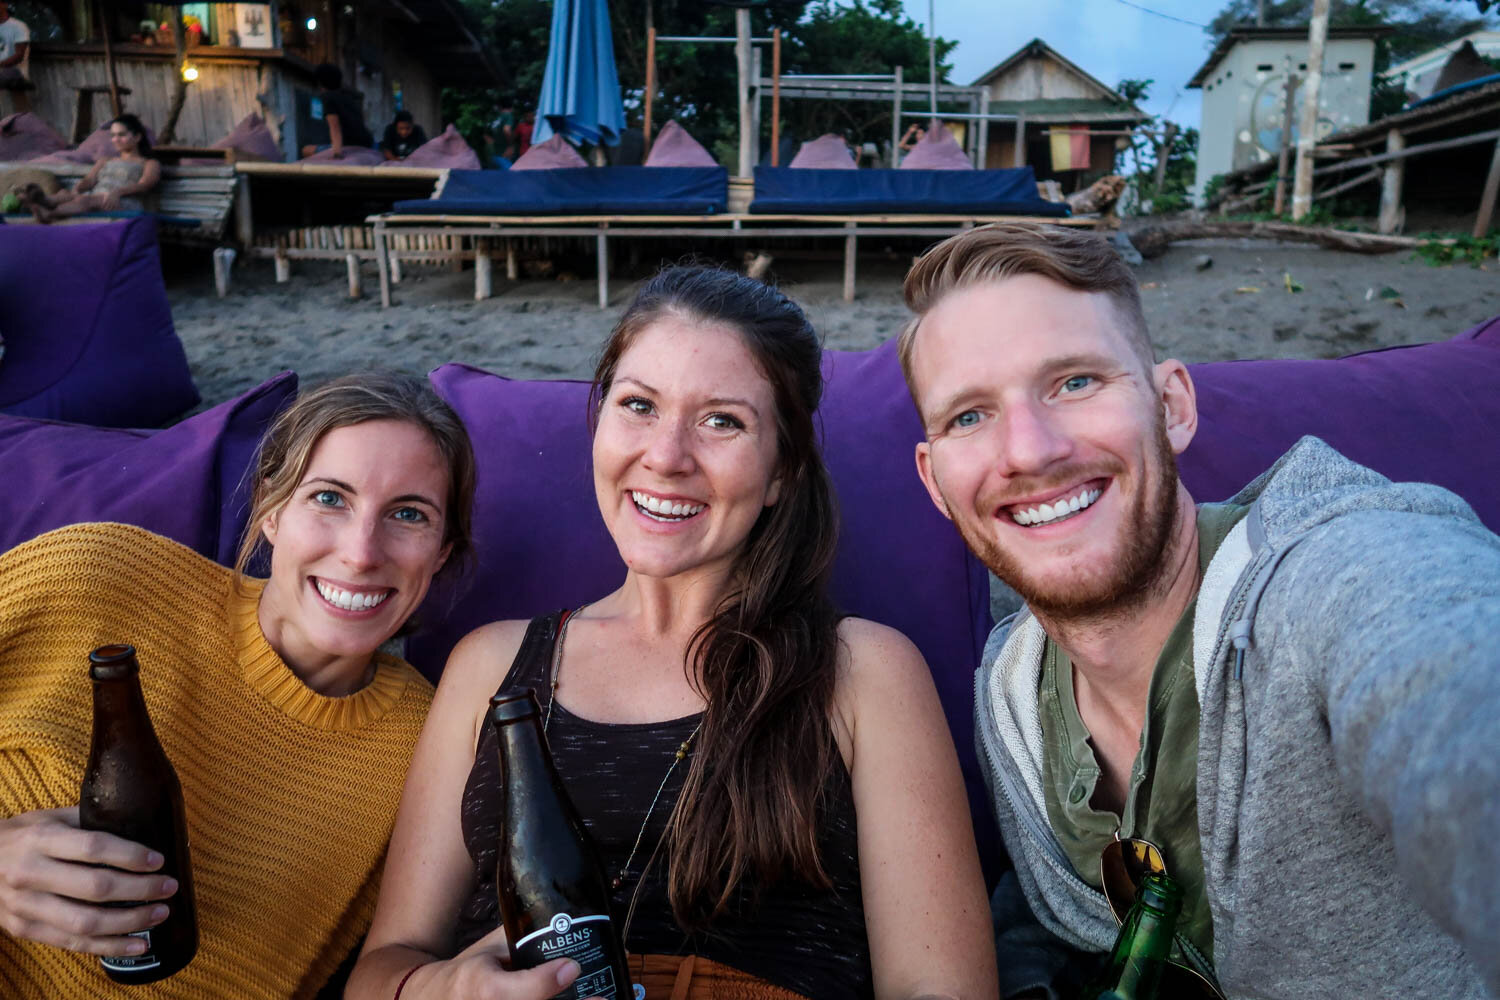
column 583, row 939
column 133, row 963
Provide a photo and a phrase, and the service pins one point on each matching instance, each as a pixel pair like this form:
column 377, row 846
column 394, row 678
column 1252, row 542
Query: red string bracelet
column 402, row 985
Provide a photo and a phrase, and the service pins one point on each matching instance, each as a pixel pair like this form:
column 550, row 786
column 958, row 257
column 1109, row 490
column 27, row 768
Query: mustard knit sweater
column 290, row 795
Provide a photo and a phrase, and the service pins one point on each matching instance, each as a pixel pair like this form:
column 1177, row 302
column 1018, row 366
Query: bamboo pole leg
column 223, row 261
column 244, row 222
column 512, row 266
column 1487, row 203
column 1392, row 178
column 601, row 253
column 351, row 262
column 849, row 254
column 481, row 269
column 383, row 262
column 283, row 266
column 456, row 262
column 395, row 269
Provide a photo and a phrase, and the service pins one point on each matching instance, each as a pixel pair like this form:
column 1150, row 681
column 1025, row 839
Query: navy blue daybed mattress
column 579, row 191
column 1011, row 191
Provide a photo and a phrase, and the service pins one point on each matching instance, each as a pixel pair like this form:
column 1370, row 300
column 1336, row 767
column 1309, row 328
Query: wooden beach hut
column 252, row 57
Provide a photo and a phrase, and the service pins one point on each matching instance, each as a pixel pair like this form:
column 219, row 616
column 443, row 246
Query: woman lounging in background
column 772, row 786
column 115, row 183
column 289, row 730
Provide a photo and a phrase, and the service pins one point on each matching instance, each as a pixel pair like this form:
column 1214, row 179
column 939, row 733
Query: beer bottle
column 1144, row 944
column 553, row 898
column 130, row 790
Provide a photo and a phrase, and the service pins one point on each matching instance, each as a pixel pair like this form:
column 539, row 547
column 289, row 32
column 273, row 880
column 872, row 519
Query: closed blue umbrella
column 580, row 87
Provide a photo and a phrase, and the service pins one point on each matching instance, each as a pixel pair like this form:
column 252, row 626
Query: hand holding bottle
column 477, row 973
column 55, row 877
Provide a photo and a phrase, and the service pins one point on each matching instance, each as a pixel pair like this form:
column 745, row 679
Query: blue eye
column 1077, row 382
column 968, row 418
column 327, row 498
column 636, row 405
column 410, row 514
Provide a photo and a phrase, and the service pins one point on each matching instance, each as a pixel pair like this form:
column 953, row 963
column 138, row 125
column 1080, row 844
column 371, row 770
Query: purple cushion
column 937, row 150
column 553, row 154
column 89, row 335
column 187, row 482
column 354, row 156
column 26, row 136
column 826, row 152
column 1425, row 413
column 251, row 139
column 534, row 448
column 674, row 147
column 445, row 150
column 97, row 146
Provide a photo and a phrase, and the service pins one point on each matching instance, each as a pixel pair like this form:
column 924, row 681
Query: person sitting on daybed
column 402, row 137
column 288, row 728
column 343, row 114
column 718, row 724
column 115, row 183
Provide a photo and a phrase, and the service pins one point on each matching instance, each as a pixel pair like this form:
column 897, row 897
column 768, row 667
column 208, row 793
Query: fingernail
column 154, row 859
column 158, row 914
column 168, row 886
column 135, row 947
column 567, row 972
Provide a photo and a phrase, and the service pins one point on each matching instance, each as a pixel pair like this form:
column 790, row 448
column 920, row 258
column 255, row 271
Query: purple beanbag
column 251, row 139
column 937, row 150
column 1425, row 413
column 354, row 156
column 826, row 152
column 88, row 329
column 25, row 136
column 550, row 155
column 445, row 150
column 673, row 147
column 188, row 482
column 93, row 149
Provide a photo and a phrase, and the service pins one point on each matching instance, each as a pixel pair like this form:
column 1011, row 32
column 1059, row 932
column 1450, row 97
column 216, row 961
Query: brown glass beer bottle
column 130, row 790
column 553, row 898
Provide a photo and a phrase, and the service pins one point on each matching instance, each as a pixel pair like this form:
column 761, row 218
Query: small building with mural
column 1068, row 124
column 1244, row 93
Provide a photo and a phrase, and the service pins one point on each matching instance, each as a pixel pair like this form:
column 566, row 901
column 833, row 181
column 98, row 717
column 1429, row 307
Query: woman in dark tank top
column 772, row 786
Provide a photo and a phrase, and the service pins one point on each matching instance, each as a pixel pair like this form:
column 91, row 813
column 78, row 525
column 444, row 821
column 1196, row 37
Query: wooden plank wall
column 224, row 93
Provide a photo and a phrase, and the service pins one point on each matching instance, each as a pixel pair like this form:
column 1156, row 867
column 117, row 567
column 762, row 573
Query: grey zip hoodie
column 1346, row 653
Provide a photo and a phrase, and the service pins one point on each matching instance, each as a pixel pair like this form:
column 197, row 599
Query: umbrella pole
column 775, row 96
column 650, row 82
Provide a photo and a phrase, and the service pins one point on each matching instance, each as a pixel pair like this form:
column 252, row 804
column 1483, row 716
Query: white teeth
column 1045, row 513
column 351, row 601
column 664, row 510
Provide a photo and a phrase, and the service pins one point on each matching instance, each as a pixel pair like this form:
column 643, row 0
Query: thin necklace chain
column 683, row 748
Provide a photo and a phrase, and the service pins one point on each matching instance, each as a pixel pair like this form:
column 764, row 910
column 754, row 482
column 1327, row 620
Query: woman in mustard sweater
column 290, row 731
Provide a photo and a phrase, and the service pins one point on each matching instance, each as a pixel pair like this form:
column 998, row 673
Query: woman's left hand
column 111, row 201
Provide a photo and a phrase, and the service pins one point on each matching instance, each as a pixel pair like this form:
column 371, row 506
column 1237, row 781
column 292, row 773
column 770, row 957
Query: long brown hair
column 766, row 661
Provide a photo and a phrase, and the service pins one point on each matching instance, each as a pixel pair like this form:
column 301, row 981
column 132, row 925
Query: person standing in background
column 15, row 52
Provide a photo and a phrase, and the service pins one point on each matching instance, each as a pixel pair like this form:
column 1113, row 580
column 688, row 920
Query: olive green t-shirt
column 1162, row 801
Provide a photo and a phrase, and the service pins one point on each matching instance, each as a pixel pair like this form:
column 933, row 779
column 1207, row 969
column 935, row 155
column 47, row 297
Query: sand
column 553, row 329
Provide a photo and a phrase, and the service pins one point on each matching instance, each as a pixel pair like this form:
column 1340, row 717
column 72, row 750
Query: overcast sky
column 1107, row 38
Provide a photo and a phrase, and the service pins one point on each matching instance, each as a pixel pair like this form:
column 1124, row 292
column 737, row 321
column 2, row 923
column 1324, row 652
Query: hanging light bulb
column 312, row 24
column 189, row 72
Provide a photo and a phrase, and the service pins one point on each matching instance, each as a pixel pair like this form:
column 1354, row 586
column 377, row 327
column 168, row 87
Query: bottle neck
column 120, row 714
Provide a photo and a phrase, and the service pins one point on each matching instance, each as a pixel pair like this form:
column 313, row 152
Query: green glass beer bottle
column 130, row 789
column 553, row 898
column 1144, row 944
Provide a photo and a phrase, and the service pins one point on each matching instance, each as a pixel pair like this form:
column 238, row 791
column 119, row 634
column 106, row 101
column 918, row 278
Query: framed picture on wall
column 253, row 23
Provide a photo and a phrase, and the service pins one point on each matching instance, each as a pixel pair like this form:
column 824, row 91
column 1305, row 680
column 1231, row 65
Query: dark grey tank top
column 805, row 939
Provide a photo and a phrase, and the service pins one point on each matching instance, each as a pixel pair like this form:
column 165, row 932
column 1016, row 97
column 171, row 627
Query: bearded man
column 1289, row 700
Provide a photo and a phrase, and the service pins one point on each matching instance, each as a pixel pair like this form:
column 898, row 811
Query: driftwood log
column 1153, row 240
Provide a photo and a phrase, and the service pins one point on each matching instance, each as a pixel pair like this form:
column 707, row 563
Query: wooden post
column 775, row 97
column 351, row 262
column 896, row 108
column 1392, row 178
column 117, row 109
column 1487, row 203
column 1283, row 155
column 742, row 61
column 179, row 85
column 383, row 263
column 244, row 222
column 1307, row 137
column 982, row 154
column 755, row 71
column 850, row 252
column 283, row 265
column 1020, row 159
column 481, row 269
column 395, row 270
column 650, row 83
column 512, row 270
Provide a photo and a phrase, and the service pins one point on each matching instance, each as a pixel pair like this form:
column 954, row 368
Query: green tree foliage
column 697, row 83
column 1419, row 25
column 1151, row 141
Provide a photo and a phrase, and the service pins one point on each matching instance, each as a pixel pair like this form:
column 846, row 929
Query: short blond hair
column 1082, row 261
